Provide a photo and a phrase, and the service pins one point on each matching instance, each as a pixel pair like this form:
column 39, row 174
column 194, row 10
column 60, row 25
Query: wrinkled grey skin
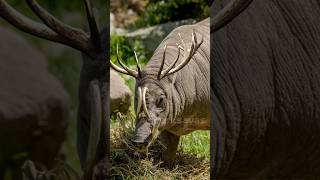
column 265, row 88
column 180, row 102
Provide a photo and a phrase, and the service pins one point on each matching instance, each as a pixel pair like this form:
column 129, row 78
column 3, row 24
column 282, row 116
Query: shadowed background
column 39, row 91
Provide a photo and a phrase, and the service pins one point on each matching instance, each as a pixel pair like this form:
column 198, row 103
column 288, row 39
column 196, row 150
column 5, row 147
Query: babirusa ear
column 174, row 79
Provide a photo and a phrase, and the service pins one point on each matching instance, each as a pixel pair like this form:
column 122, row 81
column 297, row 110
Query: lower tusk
column 145, row 109
column 139, row 100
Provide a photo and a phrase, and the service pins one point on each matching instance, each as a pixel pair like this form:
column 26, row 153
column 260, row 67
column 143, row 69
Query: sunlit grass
column 192, row 160
column 197, row 143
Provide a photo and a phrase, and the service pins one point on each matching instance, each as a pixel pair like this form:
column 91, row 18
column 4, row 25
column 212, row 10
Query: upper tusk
column 139, row 100
column 144, row 101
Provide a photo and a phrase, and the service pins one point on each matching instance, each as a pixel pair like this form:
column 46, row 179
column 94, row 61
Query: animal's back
column 192, row 81
column 266, row 73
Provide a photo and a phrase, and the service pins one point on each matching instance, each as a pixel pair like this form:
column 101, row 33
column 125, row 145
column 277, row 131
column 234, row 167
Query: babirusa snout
column 143, row 133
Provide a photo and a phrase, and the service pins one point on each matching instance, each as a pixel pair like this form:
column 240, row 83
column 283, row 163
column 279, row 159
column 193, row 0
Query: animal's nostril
column 138, row 142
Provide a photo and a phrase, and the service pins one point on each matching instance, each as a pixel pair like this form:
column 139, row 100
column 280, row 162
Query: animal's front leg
column 171, row 142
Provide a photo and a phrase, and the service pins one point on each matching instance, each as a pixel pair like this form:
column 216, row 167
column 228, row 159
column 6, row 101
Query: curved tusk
column 118, row 69
column 95, row 125
column 162, row 62
column 165, row 72
column 228, row 13
column 145, row 109
column 137, row 62
column 130, row 71
column 187, row 57
column 139, row 100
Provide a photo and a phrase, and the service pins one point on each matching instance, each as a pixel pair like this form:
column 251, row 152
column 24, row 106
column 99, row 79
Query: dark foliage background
column 158, row 12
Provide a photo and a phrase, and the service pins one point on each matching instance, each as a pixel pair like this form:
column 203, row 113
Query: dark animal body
column 265, row 90
column 93, row 110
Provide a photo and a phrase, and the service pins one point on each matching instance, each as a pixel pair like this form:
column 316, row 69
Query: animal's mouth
column 142, row 135
column 140, row 144
column 145, row 136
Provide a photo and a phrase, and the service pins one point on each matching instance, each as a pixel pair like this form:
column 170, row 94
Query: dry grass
column 129, row 164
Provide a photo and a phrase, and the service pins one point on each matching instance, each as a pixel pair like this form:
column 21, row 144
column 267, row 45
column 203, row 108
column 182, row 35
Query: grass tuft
column 192, row 160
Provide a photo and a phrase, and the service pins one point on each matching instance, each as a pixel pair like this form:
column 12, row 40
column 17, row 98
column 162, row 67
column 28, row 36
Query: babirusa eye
column 159, row 101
